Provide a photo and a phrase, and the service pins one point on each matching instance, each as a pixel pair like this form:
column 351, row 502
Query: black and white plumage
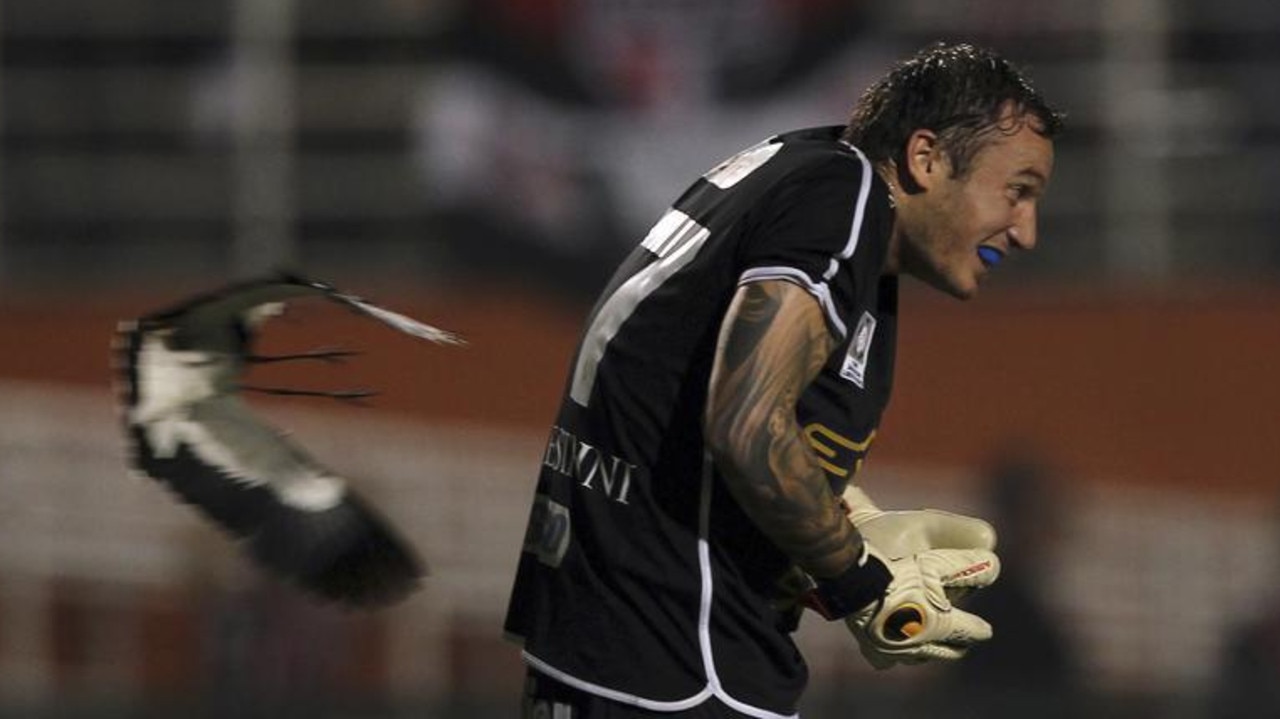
column 188, row 427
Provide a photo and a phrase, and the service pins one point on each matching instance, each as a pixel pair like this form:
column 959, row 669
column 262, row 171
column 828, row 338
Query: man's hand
column 936, row 558
column 915, row 620
column 900, row 534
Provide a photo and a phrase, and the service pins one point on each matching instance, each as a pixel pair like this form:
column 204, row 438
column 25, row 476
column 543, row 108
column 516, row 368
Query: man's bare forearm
column 773, row 343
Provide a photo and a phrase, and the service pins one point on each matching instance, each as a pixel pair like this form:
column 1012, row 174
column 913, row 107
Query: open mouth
column 990, row 256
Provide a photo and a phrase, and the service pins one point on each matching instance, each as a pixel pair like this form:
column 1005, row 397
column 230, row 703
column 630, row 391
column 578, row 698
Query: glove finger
column 907, row 532
column 910, row 625
column 918, row 654
column 878, row 660
column 947, row 530
column 962, row 629
column 935, row 652
column 955, row 568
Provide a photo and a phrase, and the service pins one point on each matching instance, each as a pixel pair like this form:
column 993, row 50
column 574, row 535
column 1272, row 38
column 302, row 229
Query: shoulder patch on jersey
column 855, row 361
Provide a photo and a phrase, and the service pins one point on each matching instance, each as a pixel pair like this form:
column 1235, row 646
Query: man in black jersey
column 726, row 388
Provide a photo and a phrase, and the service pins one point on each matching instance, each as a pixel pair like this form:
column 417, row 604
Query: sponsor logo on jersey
column 855, row 362
column 838, row 455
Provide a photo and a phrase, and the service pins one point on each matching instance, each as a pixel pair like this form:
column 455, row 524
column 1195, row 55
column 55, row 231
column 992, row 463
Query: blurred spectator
column 549, row 133
column 1028, row 669
column 1248, row 682
column 275, row 652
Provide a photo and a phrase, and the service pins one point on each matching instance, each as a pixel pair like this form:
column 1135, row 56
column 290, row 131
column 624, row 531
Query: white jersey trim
column 708, row 590
column 821, row 291
column 859, row 211
column 613, row 694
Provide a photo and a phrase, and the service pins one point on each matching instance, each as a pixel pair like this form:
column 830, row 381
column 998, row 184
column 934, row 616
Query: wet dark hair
column 956, row 90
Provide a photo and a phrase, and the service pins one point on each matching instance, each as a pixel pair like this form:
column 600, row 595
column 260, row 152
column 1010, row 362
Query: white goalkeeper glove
column 900, row 630
column 915, row 620
column 900, row 534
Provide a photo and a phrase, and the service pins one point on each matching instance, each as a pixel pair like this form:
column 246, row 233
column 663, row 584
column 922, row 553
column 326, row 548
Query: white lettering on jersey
column 586, row 464
column 675, row 240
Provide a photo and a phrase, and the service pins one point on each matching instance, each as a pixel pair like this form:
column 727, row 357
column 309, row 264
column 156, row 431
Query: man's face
column 959, row 228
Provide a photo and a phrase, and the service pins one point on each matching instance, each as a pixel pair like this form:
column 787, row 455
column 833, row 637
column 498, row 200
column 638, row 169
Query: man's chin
column 954, row 287
column 959, row 284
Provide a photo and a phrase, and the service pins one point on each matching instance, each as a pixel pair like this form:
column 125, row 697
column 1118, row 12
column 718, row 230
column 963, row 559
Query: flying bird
column 188, row 427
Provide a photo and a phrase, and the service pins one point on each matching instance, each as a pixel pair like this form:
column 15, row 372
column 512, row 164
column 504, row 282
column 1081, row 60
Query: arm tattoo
column 773, row 344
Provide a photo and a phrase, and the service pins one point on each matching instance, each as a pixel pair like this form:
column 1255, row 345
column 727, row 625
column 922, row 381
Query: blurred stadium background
column 1112, row 403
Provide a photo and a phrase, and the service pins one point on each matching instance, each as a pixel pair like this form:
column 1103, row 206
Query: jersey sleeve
column 812, row 230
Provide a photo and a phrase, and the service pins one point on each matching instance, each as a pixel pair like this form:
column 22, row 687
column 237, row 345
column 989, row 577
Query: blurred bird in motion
column 188, row 427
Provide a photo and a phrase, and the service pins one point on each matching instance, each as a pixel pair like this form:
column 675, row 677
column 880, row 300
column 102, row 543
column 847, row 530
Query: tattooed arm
column 773, row 343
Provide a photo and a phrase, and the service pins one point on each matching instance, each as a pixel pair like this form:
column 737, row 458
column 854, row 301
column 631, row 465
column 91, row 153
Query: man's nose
column 1023, row 232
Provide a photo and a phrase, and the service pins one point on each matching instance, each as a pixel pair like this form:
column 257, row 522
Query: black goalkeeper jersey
column 641, row 579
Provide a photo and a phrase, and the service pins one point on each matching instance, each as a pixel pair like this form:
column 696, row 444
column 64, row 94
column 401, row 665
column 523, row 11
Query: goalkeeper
column 696, row 486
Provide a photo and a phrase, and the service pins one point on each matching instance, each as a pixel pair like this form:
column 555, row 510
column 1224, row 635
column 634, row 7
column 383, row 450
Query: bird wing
column 188, row 429
column 210, row 310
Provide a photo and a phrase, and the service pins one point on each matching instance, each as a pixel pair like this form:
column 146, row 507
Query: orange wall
column 1140, row 388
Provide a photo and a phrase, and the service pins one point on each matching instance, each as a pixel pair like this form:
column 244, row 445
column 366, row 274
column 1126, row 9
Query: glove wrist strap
column 853, row 589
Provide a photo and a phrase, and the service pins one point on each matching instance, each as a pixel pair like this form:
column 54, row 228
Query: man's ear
column 924, row 162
